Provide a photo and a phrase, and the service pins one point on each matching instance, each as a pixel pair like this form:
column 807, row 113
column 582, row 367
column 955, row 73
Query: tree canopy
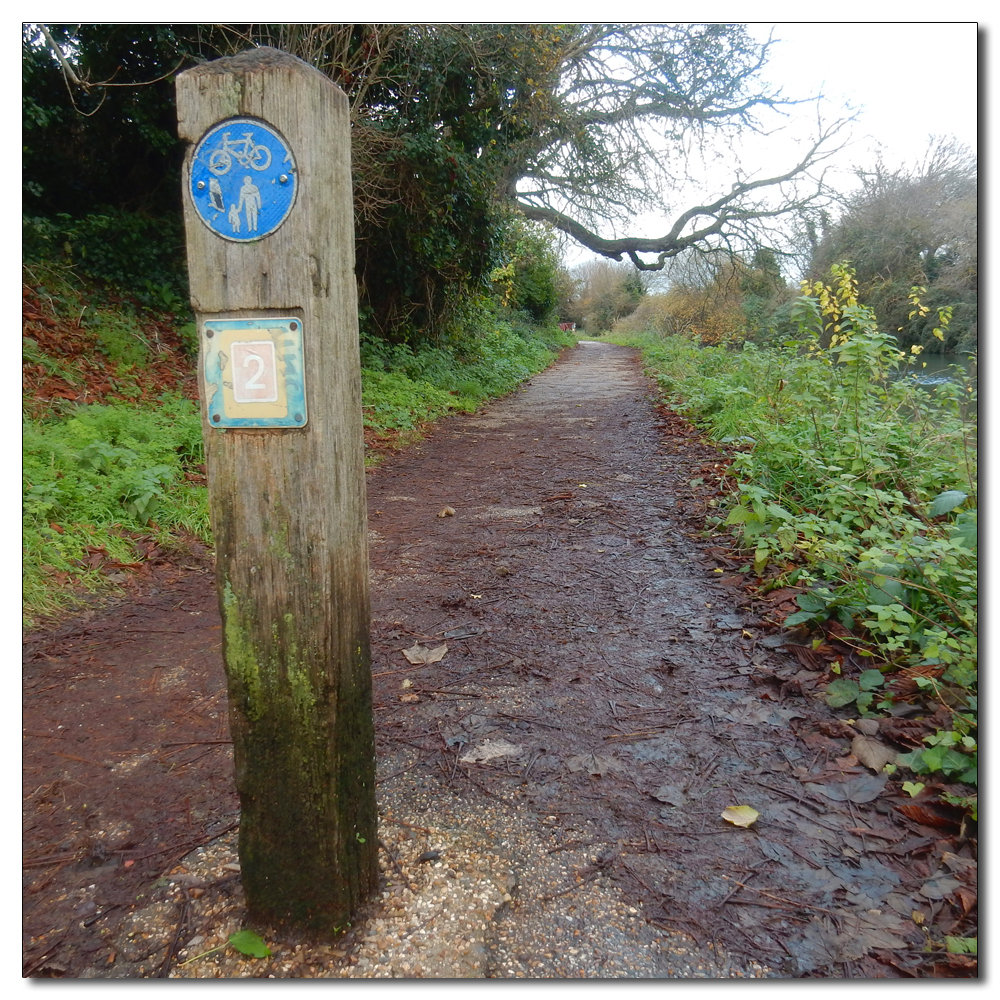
column 457, row 129
column 913, row 227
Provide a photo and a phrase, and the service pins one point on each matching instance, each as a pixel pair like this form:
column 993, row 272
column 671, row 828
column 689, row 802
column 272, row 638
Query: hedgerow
column 98, row 477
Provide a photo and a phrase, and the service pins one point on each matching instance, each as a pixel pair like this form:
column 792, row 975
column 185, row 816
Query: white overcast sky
column 908, row 80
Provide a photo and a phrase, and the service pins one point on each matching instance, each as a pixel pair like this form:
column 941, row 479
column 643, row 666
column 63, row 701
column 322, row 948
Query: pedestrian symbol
column 243, row 179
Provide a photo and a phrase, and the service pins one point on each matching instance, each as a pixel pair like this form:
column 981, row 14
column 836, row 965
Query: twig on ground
column 395, row 865
column 164, row 970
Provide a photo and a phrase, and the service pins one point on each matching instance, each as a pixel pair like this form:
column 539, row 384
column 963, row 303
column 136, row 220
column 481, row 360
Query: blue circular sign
column 243, row 179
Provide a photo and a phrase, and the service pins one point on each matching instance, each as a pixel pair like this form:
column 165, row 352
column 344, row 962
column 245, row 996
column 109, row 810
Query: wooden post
column 268, row 212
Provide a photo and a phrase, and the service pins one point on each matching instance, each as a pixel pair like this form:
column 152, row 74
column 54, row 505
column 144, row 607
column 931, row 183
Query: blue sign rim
column 199, row 152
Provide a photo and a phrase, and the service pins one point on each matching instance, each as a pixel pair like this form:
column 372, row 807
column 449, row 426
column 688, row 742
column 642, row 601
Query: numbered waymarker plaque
column 254, row 372
column 243, row 179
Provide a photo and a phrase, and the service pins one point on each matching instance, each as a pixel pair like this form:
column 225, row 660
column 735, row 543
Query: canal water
column 935, row 369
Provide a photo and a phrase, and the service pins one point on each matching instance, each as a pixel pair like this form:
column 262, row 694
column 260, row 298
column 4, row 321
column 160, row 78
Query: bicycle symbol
column 246, row 152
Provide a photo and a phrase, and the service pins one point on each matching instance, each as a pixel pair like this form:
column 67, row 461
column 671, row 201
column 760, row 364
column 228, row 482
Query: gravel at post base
column 550, row 790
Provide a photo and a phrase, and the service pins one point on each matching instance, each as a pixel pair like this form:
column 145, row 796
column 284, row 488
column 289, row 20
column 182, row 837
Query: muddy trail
column 551, row 788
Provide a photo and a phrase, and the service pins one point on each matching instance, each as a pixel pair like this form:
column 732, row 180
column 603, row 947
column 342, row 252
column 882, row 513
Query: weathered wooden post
column 268, row 211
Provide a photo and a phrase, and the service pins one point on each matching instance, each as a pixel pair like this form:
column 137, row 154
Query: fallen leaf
column 867, row 726
column 956, row 965
column 489, row 749
column 930, row 814
column 750, row 712
column 672, row 795
column 594, row 763
column 966, row 897
column 446, row 512
column 740, row 815
column 848, row 763
column 868, row 882
column 871, row 752
column 956, row 863
column 864, row 788
column 881, row 930
column 939, row 886
column 904, row 905
column 784, row 594
column 732, row 622
column 249, row 944
column 421, row 654
column 409, row 699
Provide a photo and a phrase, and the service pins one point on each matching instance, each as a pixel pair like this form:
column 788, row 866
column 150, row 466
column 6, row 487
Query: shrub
column 134, row 253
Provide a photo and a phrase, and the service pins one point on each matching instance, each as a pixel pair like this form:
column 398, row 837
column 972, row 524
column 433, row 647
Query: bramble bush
column 857, row 483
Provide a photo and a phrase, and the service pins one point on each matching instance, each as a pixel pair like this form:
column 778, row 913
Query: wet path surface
column 589, row 631
column 551, row 787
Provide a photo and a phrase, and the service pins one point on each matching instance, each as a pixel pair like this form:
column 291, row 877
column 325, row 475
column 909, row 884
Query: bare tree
column 628, row 109
column 910, row 226
column 582, row 127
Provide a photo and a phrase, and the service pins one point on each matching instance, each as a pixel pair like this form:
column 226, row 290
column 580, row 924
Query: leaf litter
column 822, row 945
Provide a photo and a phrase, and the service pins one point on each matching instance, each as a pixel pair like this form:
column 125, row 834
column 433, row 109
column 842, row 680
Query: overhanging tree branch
column 728, row 215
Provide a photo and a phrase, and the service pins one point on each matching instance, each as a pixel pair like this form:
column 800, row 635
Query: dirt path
column 608, row 690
